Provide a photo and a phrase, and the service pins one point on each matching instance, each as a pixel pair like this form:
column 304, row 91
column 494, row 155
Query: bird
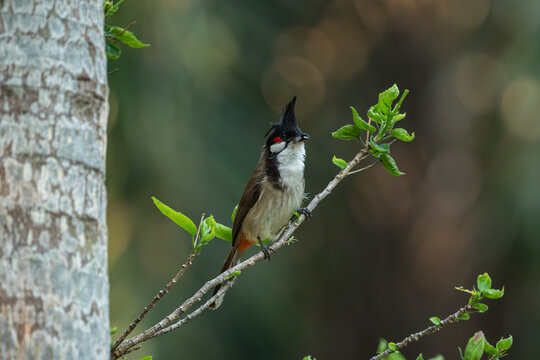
column 272, row 194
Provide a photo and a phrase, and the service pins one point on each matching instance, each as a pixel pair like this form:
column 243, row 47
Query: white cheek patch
column 277, row 147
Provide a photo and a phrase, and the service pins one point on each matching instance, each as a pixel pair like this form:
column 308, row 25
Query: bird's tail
column 230, row 261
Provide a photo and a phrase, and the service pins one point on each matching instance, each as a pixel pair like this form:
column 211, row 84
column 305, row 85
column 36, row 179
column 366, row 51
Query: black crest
column 285, row 131
column 286, row 128
column 288, row 119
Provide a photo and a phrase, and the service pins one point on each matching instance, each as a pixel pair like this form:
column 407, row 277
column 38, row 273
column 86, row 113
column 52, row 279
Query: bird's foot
column 265, row 249
column 306, row 212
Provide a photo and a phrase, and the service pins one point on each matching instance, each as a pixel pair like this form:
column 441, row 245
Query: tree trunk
column 53, row 238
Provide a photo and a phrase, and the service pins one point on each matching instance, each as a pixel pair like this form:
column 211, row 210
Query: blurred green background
column 382, row 254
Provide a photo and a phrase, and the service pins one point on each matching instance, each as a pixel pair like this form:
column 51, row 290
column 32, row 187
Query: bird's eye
column 277, row 139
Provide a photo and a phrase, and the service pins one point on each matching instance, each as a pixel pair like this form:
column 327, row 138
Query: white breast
column 291, row 164
column 275, row 206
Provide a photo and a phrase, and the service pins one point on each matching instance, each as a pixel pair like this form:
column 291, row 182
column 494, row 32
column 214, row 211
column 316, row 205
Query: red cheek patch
column 277, row 139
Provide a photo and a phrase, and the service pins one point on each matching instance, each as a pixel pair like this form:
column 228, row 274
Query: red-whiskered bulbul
column 273, row 192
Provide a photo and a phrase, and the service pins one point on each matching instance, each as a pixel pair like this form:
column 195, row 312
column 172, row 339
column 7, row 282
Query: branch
column 365, row 167
column 496, row 356
column 165, row 324
column 160, row 294
column 367, row 133
column 199, row 310
column 468, row 309
column 138, row 347
column 158, row 297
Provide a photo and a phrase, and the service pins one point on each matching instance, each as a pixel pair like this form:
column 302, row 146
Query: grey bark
column 53, row 238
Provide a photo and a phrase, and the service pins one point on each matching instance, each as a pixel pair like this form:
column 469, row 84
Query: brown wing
column 251, row 194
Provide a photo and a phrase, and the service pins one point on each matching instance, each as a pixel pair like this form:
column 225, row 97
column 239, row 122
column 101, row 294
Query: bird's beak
column 301, row 137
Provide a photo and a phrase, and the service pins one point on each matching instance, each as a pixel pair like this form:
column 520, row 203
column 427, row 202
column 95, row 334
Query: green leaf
column 483, row 282
column 387, row 97
column 292, row 240
column 233, row 274
column 223, row 232
column 180, row 219
column 375, row 114
column 398, row 105
column 475, row 298
column 420, row 357
column 461, row 288
column 382, row 346
column 465, row 316
column 360, row 123
column 265, row 241
column 402, row 134
column 233, row 215
column 435, row 320
column 347, row 132
column 309, row 357
column 390, row 164
column 488, row 348
column 398, row 117
column 383, row 131
column 493, row 293
column 127, row 37
column 111, row 8
column 113, row 51
column 381, row 148
column 505, row 344
column 475, row 347
column 339, row 162
column 481, row 307
column 208, row 232
column 113, row 330
column 392, row 346
column 146, row 358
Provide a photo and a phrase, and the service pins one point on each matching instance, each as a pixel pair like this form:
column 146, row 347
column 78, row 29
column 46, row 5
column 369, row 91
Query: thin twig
column 196, row 239
column 112, row 71
column 138, row 347
column 496, row 355
column 121, row 32
column 229, row 284
column 365, row 167
column 160, row 294
column 367, row 133
column 468, row 309
column 154, row 301
column 122, row 350
column 283, row 240
column 370, row 165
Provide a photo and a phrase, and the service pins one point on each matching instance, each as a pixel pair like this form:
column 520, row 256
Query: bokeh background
column 382, row 254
